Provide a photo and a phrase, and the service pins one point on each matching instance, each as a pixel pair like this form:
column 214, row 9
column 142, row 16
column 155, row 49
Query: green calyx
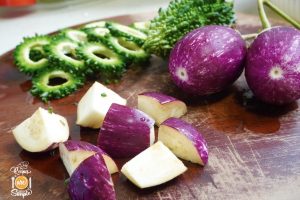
column 29, row 56
column 62, row 54
column 55, row 84
column 183, row 16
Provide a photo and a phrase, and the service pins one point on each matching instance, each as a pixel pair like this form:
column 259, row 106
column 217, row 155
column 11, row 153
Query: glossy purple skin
column 192, row 134
column 125, row 131
column 160, row 97
column 91, row 181
column 73, row 145
column 278, row 47
column 207, row 60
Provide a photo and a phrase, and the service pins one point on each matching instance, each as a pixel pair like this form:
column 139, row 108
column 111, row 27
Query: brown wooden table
column 254, row 149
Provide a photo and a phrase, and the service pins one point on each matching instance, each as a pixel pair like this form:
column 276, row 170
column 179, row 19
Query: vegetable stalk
column 264, row 19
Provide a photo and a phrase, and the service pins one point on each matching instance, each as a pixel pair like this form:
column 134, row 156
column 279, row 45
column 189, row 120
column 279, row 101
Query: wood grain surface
column 254, row 148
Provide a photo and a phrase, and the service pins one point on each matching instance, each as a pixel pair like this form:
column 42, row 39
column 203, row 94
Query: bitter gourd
column 55, row 84
column 62, row 54
column 141, row 26
column 101, row 59
column 100, row 24
column 26, row 57
column 74, row 35
column 119, row 30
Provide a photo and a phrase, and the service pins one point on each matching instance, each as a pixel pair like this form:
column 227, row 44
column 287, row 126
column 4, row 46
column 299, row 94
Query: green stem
column 249, row 36
column 282, row 14
column 262, row 14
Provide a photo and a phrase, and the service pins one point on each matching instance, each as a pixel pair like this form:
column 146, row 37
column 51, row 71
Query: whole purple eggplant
column 207, row 60
column 273, row 66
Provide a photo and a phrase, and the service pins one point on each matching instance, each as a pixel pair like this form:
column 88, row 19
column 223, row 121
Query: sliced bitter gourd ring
column 141, row 26
column 74, row 35
column 100, row 24
column 55, row 84
column 62, row 53
column 26, row 57
column 119, row 30
column 97, row 34
column 101, row 59
column 128, row 49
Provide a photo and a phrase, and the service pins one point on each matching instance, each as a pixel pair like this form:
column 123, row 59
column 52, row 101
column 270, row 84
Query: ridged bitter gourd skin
column 101, row 59
column 130, row 50
column 141, row 26
column 29, row 56
column 101, row 24
column 62, row 54
column 183, row 16
column 41, row 84
column 119, row 30
column 74, row 35
column 97, row 34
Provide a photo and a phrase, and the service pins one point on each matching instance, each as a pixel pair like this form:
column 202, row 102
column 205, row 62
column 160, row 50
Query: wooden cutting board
column 254, row 149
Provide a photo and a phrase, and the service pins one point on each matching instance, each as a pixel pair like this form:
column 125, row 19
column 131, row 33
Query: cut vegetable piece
column 97, row 34
column 119, row 30
column 183, row 140
column 55, row 84
column 94, row 105
column 74, row 35
column 91, row 180
column 160, row 106
column 100, row 24
column 141, row 26
column 125, row 131
column 128, row 49
column 61, row 53
column 42, row 131
column 154, row 166
column 74, row 152
column 25, row 54
column 101, row 59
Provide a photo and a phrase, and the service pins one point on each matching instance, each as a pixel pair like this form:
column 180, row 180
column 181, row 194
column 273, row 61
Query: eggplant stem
column 249, row 36
column 263, row 16
column 282, row 14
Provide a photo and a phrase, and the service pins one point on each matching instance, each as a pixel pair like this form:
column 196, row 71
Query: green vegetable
column 103, row 94
column 74, row 35
column 128, row 49
column 101, row 59
column 131, row 51
column 97, row 34
column 55, row 84
column 183, row 16
column 119, row 30
column 62, row 54
column 29, row 56
column 100, row 24
column 141, row 26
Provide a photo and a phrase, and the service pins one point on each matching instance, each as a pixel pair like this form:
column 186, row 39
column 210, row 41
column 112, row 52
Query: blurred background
column 44, row 16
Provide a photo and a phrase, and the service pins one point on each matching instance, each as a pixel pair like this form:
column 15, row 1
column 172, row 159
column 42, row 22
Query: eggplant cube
column 154, row 166
column 125, row 132
column 42, row 131
column 74, row 152
column 94, row 105
column 91, row 180
column 183, row 140
column 160, row 106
